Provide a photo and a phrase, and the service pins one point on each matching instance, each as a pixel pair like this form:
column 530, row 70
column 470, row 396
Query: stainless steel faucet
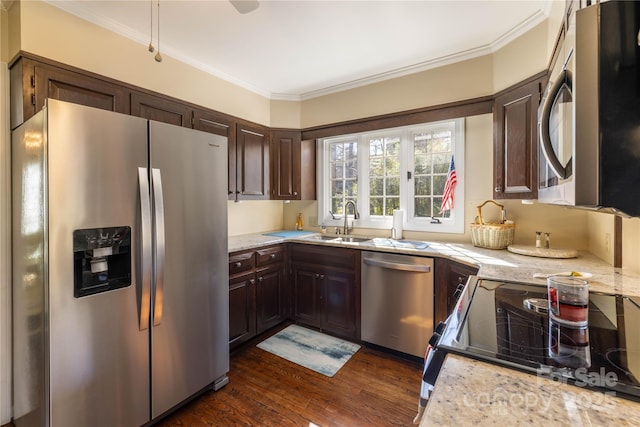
column 356, row 215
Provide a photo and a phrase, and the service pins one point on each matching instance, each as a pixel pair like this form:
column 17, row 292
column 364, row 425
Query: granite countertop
column 473, row 393
column 492, row 264
column 469, row 392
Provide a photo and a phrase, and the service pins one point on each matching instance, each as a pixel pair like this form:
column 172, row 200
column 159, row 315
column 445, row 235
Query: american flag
column 449, row 188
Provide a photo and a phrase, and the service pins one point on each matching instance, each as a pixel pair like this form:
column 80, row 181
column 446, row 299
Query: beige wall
column 286, row 114
column 52, row 33
column 254, row 216
column 522, row 58
column 463, row 80
column 631, row 244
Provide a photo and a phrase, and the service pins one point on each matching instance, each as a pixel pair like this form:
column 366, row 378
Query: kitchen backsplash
column 255, row 216
column 569, row 228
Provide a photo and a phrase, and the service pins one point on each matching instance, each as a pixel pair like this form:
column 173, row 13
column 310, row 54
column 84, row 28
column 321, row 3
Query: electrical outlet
column 607, row 242
column 313, row 221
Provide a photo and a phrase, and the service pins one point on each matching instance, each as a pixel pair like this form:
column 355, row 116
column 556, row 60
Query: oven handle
column 563, row 172
column 398, row 266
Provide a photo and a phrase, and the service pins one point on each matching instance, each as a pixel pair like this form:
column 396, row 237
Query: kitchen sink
column 338, row 239
column 350, row 239
column 323, row 237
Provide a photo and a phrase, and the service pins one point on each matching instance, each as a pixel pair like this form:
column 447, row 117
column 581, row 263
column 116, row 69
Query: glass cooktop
column 508, row 323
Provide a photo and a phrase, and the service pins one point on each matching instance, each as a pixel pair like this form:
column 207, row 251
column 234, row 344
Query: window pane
column 393, row 147
column 384, row 161
column 351, row 170
column 376, row 186
column 337, row 188
column 336, row 206
column 337, row 171
column 376, row 166
column 343, row 173
column 441, row 163
column 423, row 186
column 392, row 203
column 351, row 188
column 392, row 187
column 438, row 184
column 375, row 206
column 392, row 166
column 376, row 147
column 337, row 152
column 421, row 143
column 437, row 204
column 351, row 151
column 421, row 164
column 423, row 207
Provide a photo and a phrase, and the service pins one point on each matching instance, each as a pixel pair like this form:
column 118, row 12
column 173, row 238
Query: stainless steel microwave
column 589, row 117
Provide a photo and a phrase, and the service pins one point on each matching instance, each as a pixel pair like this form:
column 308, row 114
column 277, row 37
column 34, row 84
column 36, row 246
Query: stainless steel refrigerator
column 120, row 274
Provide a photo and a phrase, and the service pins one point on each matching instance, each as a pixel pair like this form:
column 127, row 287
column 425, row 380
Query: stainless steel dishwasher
column 397, row 301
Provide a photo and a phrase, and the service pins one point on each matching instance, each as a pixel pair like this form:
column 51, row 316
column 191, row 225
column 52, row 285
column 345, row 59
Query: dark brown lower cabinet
column 242, row 309
column 448, row 276
column 325, row 283
column 258, row 296
column 270, row 297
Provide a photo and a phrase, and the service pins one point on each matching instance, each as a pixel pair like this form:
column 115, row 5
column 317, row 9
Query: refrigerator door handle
column 158, row 207
column 144, row 300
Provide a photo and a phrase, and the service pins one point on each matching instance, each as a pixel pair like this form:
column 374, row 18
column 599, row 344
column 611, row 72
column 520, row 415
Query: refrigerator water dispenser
column 102, row 260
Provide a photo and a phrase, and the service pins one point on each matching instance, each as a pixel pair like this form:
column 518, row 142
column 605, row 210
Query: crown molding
column 76, row 8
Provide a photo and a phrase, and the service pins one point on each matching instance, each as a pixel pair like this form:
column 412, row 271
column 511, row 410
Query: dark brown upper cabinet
column 33, row 82
column 223, row 125
column 293, row 166
column 161, row 109
column 515, row 127
column 252, row 163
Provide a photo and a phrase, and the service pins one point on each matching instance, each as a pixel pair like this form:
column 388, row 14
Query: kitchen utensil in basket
column 494, row 235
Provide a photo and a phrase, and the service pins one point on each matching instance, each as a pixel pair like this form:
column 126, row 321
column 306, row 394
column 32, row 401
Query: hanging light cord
column 158, row 57
column 151, row 48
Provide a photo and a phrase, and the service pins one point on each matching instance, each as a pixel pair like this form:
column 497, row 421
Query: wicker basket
column 492, row 235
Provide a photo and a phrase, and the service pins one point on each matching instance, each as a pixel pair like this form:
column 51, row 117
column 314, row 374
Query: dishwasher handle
column 397, row 266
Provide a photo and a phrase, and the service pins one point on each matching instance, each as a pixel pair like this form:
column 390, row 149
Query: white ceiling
column 301, row 49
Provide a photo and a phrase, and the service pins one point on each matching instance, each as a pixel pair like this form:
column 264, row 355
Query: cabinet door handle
column 295, row 193
column 317, row 276
column 252, row 281
column 260, row 279
column 238, row 264
column 498, row 188
column 273, row 256
column 322, row 277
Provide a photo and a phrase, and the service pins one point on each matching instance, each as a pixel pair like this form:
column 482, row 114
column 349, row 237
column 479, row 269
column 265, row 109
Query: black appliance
column 590, row 112
column 508, row 324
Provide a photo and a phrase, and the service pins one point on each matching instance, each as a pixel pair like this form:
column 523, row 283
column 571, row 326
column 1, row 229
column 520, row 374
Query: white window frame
column 453, row 224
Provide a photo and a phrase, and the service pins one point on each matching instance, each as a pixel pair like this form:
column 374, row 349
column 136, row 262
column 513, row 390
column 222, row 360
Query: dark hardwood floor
column 372, row 389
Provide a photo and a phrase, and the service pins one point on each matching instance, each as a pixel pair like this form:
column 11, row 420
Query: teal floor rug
column 314, row 350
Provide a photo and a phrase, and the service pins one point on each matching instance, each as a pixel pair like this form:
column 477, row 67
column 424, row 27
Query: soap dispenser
column 299, row 222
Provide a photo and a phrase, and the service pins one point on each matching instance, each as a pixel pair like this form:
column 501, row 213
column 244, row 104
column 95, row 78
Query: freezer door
column 99, row 357
column 190, row 315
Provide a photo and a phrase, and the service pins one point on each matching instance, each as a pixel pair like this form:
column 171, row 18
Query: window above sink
column 399, row 168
